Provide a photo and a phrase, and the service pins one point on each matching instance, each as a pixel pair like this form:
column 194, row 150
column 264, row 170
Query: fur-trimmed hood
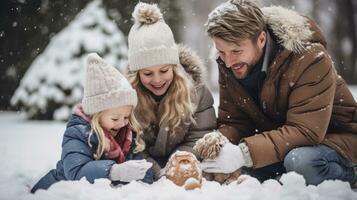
column 292, row 30
column 192, row 64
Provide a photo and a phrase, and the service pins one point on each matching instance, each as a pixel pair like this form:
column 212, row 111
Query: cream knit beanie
column 150, row 39
column 105, row 87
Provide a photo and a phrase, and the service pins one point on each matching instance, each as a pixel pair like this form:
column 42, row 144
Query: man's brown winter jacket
column 302, row 102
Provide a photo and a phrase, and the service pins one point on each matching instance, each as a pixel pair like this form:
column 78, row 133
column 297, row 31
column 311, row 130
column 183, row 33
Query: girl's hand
column 129, row 171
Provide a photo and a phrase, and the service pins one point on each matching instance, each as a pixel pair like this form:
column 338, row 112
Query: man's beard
column 246, row 65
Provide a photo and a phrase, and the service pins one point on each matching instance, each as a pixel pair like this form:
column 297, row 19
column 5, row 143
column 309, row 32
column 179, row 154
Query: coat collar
column 76, row 120
column 292, row 30
column 270, row 50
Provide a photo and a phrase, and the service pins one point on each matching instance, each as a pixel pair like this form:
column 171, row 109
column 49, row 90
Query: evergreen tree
column 25, row 29
column 53, row 83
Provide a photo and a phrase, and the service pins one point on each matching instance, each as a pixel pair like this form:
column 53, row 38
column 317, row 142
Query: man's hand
column 229, row 159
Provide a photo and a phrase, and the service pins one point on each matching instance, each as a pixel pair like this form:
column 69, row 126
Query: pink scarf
column 119, row 145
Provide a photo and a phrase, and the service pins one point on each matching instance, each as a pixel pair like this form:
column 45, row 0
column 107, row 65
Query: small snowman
column 184, row 170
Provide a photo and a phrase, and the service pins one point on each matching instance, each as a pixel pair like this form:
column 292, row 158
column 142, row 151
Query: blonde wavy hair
column 104, row 144
column 177, row 104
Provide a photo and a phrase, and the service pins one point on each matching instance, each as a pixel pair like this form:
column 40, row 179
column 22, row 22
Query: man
column 282, row 104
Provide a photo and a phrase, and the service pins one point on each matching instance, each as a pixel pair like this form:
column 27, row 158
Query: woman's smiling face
column 157, row 79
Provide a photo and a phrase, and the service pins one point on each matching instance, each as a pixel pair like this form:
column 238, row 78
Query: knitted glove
column 129, row 171
column 229, row 159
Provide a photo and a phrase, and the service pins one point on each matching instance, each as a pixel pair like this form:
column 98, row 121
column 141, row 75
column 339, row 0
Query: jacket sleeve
column 78, row 160
column 205, row 120
column 231, row 119
column 309, row 110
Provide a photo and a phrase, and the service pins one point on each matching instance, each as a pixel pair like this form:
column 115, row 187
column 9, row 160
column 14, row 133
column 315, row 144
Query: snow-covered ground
column 29, row 149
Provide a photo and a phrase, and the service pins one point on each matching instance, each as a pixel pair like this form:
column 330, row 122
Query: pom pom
column 146, row 13
column 94, row 58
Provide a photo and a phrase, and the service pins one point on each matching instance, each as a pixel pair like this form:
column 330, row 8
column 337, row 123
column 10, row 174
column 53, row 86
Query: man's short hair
column 236, row 20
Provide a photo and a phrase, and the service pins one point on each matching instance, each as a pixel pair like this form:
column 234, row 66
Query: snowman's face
column 183, row 166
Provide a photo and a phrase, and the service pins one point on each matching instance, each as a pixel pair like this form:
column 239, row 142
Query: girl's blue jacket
column 77, row 159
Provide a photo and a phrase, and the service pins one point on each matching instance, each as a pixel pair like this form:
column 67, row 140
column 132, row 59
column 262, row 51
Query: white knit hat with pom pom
column 150, row 39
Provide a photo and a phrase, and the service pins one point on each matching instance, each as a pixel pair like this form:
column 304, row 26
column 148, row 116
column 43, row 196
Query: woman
column 175, row 108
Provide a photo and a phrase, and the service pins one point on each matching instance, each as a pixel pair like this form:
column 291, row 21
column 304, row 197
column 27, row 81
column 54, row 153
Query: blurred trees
column 344, row 39
column 26, row 28
column 120, row 11
column 53, row 83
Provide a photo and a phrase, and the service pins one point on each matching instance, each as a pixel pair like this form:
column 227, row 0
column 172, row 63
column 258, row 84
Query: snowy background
column 52, row 84
column 29, row 149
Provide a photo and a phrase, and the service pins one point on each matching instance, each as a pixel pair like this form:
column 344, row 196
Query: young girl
column 99, row 145
column 175, row 106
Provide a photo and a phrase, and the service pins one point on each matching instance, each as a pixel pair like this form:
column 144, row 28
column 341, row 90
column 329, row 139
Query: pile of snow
column 53, row 82
column 29, row 149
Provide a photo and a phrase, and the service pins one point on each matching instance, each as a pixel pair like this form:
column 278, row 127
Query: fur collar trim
column 291, row 29
column 192, row 64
